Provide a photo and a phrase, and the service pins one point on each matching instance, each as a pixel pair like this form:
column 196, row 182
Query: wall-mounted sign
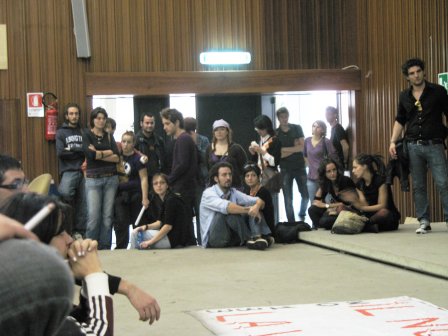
column 443, row 79
column 34, row 105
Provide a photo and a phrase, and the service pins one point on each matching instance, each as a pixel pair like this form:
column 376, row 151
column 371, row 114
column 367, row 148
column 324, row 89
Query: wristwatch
column 327, row 205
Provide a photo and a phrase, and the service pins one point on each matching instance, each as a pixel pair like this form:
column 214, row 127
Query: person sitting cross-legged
column 228, row 216
column 171, row 227
column 334, row 185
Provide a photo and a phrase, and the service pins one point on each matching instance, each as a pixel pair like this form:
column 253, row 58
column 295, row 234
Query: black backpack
column 288, row 232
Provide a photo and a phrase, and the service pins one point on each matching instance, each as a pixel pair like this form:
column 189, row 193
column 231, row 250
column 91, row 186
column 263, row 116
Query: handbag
column 288, row 232
column 324, row 145
column 271, row 179
column 349, row 222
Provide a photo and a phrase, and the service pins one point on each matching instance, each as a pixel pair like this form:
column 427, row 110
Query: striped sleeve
column 99, row 315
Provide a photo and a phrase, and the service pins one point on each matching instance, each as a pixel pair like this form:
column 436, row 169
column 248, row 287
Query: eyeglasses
column 17, row 184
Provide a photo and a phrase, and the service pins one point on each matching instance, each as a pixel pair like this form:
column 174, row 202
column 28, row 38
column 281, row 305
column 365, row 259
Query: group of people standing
column 114, row 180
column 168, row 179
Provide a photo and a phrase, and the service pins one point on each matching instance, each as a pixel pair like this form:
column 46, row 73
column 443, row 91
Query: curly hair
column 410, row 63
column 214, row 171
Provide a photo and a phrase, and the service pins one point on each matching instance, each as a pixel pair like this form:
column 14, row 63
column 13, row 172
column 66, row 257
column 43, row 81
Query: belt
column 99, row 175
column 426, row 142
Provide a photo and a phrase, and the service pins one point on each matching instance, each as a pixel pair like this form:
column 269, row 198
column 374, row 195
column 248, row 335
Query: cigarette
column 139, row 216
column 37, row 218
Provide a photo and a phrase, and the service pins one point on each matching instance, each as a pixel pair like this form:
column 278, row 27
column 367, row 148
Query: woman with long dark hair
column 375, row 196
column 333, row 185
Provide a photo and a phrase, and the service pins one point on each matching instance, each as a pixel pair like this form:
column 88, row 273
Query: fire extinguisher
column 50, row 101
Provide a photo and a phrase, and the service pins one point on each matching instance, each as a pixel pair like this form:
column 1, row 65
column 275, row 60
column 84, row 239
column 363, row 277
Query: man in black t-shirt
column 182, row 178
column 292, row 163
column 421, row 110
column 338, row 137
column 152, row 145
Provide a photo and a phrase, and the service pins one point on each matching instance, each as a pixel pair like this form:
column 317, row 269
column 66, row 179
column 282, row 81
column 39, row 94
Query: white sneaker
column 424, row 227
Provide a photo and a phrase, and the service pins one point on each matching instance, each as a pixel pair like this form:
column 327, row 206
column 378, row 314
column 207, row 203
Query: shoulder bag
column 349, row 222
column 271, row 178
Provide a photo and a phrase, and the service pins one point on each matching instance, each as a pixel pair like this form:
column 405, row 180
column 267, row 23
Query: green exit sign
column 443, row 79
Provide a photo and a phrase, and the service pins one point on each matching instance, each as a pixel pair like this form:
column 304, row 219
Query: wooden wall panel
column 9, row 119
column 168, row 35
column 164, row 83
column 389, row 33
column 306, row 34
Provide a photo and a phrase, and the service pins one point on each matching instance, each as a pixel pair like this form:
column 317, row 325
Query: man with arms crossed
column 338, row 136
column 420, row 109
column 292, row 163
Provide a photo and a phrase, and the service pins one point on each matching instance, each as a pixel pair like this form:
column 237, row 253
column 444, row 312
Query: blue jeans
column 100, row 194
column 288, row 177
column 421, row 157
column 163, row 243
column 235, row 230
column 312, row 188
column 72, row 190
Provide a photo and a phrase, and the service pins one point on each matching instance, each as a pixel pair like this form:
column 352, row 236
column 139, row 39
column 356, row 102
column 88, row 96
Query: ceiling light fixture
column 225, row 57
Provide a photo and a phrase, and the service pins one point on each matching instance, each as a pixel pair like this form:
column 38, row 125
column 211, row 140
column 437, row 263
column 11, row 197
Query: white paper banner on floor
column 382, row 317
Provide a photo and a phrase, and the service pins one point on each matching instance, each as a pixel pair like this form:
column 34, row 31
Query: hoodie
column 69, row 148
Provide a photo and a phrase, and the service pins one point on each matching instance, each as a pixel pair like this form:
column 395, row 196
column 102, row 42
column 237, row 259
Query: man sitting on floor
column 230, row 217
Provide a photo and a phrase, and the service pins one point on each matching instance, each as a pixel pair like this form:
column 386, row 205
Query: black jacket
column 154, row 148
column 399, row 167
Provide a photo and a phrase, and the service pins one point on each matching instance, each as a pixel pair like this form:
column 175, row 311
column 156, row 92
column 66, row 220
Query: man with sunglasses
column 12, row 177
column 420, row 115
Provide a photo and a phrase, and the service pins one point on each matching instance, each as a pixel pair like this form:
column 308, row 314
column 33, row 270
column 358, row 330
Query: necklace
column 254, row 191
column 99, row 138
